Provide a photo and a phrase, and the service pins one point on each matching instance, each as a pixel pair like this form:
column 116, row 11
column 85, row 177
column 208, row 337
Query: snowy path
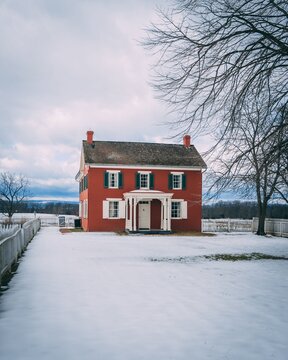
column 85, row 296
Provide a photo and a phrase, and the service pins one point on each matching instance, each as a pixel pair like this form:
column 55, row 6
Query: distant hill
column 49, row 207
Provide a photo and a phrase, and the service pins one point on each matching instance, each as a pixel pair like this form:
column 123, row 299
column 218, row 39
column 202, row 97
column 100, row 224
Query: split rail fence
column 15, row 242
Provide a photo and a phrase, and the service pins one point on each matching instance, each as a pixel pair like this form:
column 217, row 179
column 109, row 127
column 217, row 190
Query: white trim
column 139, row 167
column 114, row 199
column 113, row 171
column 177, row 173
column 144, row 172
column 80, row 173
column 147, row 195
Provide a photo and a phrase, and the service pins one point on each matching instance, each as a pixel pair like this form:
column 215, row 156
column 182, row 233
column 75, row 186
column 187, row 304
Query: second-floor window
column 177, row 181
column 113, row 179
column 144, row 180
column 83, row 184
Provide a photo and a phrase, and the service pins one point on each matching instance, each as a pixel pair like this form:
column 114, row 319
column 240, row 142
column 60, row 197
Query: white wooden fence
column 12, row 246
column 46, row 219
column 68, row 220
column 278, row 227
column 226, row 225
column 8, row 230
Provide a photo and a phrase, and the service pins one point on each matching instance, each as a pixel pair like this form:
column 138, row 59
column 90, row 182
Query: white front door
column 144, row 215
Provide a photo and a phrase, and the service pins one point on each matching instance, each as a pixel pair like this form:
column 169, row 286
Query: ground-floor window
column 176, row 209
column 113, row 209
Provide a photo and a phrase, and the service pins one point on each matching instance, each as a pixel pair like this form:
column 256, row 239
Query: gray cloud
column 67, row 66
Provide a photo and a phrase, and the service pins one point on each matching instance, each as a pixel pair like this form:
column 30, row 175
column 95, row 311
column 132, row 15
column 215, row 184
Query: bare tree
column 14, row 189
column 253, row 162
column 214, row 56
column 223, row 66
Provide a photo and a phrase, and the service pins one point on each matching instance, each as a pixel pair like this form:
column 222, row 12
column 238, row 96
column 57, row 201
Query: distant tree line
column 242, row 210
column 50, row 207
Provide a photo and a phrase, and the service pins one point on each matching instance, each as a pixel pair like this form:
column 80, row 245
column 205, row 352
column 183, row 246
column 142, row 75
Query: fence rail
column 14, row 244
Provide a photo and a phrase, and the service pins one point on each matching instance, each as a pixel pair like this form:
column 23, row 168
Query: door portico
column 135, row 200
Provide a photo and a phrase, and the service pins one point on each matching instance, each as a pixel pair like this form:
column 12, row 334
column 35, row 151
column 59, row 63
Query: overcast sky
column 68, row 66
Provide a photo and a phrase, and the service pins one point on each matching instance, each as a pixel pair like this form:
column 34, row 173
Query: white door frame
column 144, row 215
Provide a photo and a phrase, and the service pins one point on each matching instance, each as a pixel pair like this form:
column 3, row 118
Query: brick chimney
column 90, row 136
column 187, row 141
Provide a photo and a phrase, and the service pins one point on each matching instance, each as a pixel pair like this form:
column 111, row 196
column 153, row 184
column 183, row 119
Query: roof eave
column 137, row 166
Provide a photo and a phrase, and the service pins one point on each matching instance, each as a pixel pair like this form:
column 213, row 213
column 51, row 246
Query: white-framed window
column 175, row 210
column 178, row 209
column 176, row 181
column 113, row 179
column 113, row 209
column 80, row 208
column 144, row 181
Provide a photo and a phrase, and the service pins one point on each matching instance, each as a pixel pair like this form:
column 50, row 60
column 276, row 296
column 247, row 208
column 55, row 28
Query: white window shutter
column 122, row 209
column 86, row 209
column 105, row 209
column 184, row 209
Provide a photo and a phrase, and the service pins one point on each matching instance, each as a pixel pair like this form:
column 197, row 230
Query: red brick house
column 136, row 186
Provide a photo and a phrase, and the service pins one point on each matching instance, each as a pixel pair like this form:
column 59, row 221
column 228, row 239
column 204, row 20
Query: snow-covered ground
column 86, row 296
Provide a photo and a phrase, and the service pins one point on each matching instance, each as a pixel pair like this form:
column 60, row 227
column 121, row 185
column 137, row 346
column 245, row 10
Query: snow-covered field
column 87, row 296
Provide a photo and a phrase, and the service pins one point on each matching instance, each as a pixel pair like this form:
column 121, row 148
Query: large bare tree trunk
column 261, row 216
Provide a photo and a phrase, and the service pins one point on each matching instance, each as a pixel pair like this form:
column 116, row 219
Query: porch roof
column 147, row 194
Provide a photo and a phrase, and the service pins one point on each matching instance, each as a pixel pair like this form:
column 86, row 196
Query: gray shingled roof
column 139, row 153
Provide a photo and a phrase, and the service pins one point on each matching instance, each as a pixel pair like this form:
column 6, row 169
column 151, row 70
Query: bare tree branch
column 216, row 55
